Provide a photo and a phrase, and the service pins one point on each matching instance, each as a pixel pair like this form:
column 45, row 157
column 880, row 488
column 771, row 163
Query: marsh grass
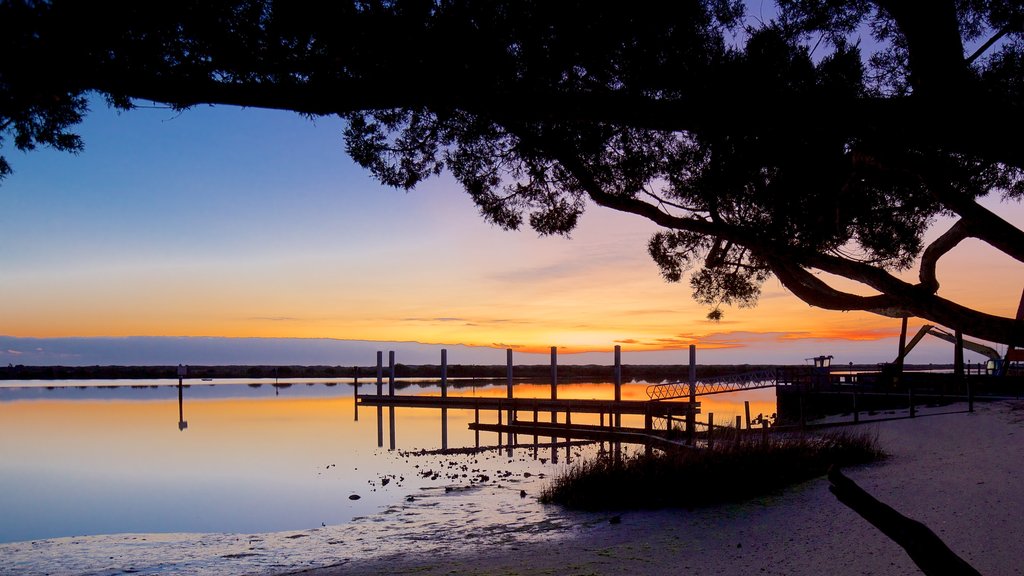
column 698, row 477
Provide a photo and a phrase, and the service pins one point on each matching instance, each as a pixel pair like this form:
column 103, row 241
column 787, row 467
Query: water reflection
column 103, row 459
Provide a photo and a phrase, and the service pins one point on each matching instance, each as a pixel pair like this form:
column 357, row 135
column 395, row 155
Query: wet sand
column 961, row 474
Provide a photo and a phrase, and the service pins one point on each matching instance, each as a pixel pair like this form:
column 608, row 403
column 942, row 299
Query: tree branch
column 937, row 249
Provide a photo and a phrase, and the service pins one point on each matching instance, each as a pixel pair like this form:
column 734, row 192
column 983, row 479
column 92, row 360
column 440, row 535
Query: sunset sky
column 248, row 223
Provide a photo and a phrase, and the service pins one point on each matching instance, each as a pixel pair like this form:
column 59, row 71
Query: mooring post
column 444, row 373
column 554, row 373
column 903, row 345
column 618, row 384
column 476, row 429
column 739, row 429
column 568, row 440
column 648, row 425
column 746, row 409
column 444, row 394
column 764, row 433
column 391, row 392
column 508, row 371
column 958, row 354
column 508, row 385
column 691, row 415
column 380, row 392
column 499, row 425
column 535, row 421
column 711, row 430
column 856, row 412
column 554, row 389
column 355, row 398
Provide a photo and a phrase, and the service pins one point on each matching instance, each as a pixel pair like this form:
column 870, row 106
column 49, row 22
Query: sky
column 235, row 231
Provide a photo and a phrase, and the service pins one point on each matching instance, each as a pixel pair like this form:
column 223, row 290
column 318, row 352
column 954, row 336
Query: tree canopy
column 782, row 147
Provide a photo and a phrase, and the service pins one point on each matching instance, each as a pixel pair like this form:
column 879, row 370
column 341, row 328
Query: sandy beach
column 958, row 472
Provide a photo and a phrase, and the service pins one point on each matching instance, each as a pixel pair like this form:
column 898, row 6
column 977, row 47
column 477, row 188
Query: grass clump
column 689, row 478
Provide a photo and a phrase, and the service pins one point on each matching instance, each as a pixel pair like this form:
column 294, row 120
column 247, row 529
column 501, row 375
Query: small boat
column 207, row 379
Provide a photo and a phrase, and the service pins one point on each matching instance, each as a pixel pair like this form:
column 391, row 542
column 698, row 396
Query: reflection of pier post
column 355, row 397
column 380, row 392
column 391, row 392
column 444, row 394
column 182, row 372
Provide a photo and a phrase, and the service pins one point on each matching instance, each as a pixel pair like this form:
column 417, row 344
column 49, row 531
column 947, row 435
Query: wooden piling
column 691, row 417
column 711, row 430
column 554, row 373
column 391, row 392
column 648, row 425
column 508, row 385
column 444, row 394
column 554, row 396
column 618, row 383
column 739, row 428
column 380, row 392
column 958, row 354
column 746, row 409
column 856, row 411
column 444, row 373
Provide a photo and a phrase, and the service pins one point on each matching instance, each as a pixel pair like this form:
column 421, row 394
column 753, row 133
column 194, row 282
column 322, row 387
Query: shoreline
column 956, row 472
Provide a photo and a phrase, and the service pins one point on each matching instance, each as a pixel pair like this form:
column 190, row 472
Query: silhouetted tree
column 778, row 148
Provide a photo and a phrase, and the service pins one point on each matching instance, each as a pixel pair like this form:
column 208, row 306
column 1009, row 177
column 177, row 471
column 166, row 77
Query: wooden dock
column 636, row 407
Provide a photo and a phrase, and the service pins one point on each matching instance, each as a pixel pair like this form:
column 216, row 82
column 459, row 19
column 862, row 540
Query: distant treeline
column 539, row 372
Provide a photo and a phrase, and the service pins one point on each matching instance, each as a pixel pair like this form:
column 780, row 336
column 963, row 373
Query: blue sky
column 237, row 223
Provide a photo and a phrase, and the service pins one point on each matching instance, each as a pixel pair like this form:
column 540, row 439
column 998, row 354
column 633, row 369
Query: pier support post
column 691, row 416
column 903, row 346
column 856, row 412
column 380, row 392
column 554, row 395
column 618, row 383
column 746, row 409
column 648, row 425
column 554, row 373
column 355, row 398
column 508, row 371
column 739, row 429
column 508, row 385
column 711, row 430
column 444, row 394
column 958, row 354
column 391, row 392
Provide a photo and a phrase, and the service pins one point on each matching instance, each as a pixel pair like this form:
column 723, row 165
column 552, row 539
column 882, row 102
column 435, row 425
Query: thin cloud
column 274, row 318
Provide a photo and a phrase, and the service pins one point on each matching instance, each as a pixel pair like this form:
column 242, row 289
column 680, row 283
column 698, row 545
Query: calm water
column 124, row 456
